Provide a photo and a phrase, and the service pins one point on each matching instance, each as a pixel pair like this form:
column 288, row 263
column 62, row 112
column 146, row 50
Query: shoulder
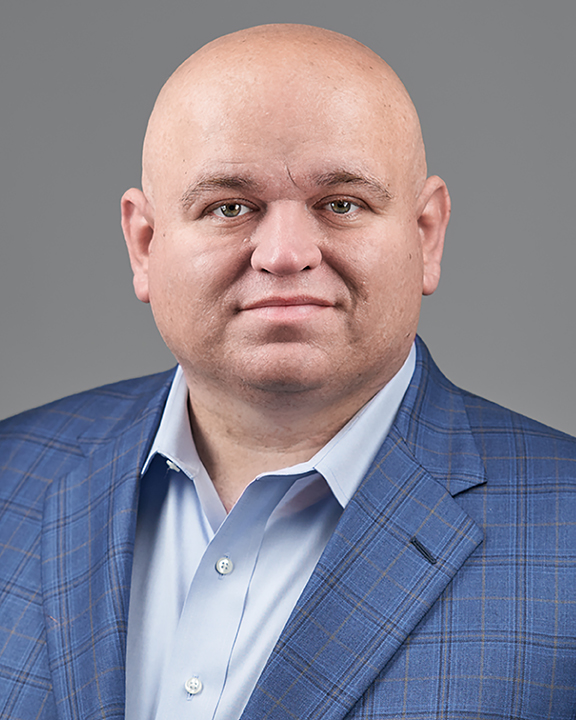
column 70, row 416
column 493, row 420
column 43, row 442
column 509, row 443
column 512, row 444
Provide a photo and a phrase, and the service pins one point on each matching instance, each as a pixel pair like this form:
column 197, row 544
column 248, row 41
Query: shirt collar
column 174, row 437
column 343, row 461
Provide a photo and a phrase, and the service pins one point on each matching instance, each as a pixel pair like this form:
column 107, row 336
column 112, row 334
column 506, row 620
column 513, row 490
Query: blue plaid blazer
column 448, row 589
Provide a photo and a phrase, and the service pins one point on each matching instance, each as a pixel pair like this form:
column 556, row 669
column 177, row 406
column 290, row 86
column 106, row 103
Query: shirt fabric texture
column 212, row 592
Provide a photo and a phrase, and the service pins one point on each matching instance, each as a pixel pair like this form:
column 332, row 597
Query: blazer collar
column 433, row 423
column 399, row 543
column 87, row 546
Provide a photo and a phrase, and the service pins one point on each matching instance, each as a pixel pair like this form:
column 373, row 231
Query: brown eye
column 341, row 206
column 231, row 210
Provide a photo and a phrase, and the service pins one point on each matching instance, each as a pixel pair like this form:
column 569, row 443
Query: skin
column 284, row 235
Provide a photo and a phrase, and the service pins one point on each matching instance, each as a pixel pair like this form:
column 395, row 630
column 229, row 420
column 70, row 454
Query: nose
column 285, row 241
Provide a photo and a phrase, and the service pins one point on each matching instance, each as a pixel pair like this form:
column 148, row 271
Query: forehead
column 286, row 113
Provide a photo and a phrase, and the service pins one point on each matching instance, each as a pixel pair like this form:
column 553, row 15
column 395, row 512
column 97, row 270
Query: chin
column 282, row 379
column 285, row 373
column 282, row 385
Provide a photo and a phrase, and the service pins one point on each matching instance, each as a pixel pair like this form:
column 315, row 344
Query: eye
column 231, row 210
column 342, row 207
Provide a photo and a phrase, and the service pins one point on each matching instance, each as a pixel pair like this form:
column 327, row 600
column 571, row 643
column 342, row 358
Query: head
column 286, row 230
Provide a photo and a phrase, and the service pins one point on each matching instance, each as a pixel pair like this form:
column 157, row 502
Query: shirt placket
column 197, row 666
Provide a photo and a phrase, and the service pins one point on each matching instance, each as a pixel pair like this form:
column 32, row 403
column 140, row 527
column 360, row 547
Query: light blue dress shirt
column 211, row 592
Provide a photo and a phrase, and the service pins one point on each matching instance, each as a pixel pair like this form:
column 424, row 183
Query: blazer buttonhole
column 423, row 550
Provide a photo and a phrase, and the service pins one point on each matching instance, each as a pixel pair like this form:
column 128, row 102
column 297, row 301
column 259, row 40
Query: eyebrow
column 345, row 177
column 216, row 182
column 240, row 182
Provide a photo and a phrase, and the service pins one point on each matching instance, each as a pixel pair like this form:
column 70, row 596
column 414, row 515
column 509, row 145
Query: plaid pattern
column 488, row 631
column 67, row 520
column 447, row 590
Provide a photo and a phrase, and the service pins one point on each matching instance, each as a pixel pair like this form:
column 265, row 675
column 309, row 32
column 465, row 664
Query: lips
column 289, row 301
column 285, row 309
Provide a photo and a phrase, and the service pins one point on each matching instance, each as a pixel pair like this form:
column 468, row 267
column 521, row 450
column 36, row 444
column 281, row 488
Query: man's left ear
column 138, row 227
column 433, row 215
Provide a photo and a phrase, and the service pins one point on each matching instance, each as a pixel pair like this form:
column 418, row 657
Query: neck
column 237, row 441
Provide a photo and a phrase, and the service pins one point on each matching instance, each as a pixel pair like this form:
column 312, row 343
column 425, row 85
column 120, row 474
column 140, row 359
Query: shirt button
column 172, row 466
column 193, row 685
column 224, row 566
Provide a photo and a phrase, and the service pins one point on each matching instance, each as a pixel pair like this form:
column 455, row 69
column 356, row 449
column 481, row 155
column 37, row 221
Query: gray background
column 494, row 83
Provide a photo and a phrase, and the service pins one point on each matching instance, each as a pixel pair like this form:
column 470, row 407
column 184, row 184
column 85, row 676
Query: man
column 306, row 520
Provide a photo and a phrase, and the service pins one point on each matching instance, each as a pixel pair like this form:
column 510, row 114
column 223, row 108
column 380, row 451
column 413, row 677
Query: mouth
column 285, row 308
column 288, row 301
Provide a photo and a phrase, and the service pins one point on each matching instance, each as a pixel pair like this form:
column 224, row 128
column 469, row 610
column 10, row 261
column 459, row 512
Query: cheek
column 182, row 313
column 174, row 287
column 191, row 281
column 396, row 258
column 198, row 263
column 396, row 282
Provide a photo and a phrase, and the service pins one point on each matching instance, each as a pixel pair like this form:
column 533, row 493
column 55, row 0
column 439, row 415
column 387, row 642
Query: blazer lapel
column 400, row 541
column 87, row 546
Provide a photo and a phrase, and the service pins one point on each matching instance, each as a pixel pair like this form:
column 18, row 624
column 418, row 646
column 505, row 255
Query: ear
column 138, row 227
column 433, row 215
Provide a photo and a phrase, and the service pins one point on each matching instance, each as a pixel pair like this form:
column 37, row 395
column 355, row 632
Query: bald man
column 305, row 519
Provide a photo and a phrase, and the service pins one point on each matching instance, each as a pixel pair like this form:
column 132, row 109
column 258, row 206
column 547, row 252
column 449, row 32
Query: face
column 285, row 249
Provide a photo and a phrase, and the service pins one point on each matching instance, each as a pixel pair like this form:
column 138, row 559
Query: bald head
column 286, row 230
column 282, row 69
